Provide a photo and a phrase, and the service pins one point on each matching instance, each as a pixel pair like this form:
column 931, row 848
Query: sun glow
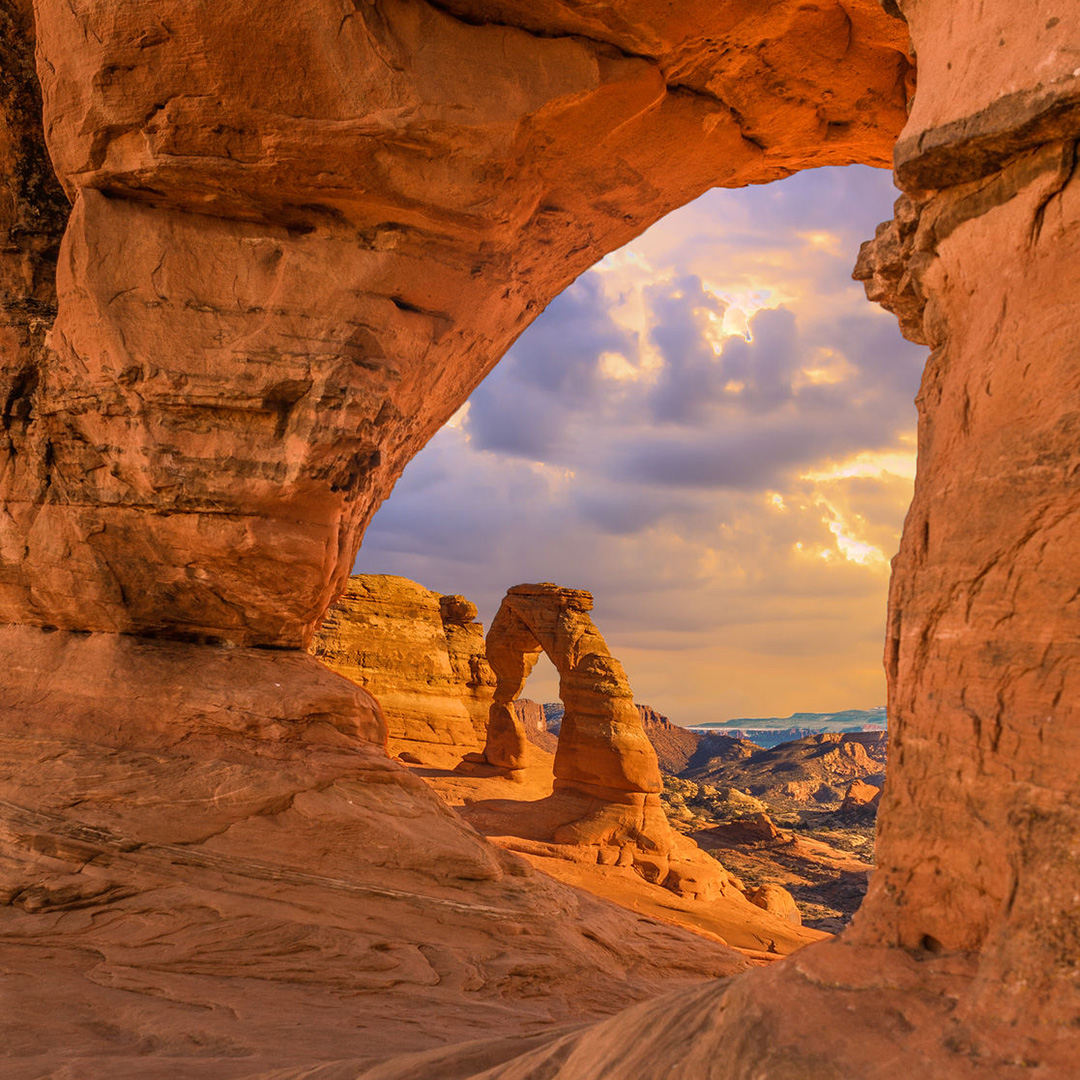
column 867, row 465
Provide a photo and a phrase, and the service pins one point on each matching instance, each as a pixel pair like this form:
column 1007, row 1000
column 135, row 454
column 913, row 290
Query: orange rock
column 602, row 746
column 206, row 851
column 299, row 237
column 420, row 654
column 271, row 296
column 604, row 806
column 860, row 795
column 533, row 720
column 777, row 900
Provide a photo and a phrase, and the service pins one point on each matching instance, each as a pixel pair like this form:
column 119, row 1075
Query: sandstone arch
column 181, row 467
column 603, row 752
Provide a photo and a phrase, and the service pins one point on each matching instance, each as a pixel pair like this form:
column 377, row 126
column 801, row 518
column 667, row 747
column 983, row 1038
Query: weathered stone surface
column 420, row 654
column 965, row 932
column 860, row 796
column 209, row 868
column 604, row 804
column 468, row 659
column 777, row 900
column 295, row 248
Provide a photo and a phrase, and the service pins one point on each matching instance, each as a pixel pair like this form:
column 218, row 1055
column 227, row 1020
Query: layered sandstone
column 603, row 751
column 421, row 655
column 300, row 233
column 295, row 247
column 210, row 868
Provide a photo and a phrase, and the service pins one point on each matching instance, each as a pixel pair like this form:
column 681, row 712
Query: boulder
column 776, row 900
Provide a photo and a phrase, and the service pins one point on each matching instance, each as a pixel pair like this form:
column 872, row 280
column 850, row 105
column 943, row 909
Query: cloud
column 712, row 431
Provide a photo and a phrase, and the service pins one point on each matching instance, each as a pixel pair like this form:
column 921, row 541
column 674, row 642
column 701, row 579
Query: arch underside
column 301, row 233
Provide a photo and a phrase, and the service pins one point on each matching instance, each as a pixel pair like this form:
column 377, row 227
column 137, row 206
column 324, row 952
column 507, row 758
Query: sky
column 713, row 431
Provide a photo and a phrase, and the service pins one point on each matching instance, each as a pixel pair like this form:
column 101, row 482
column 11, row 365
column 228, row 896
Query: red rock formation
column 207, row 860
column 532, row 718
column 602, row 748
column 468, row 659
column 302, row 232
column 294, row 249
column 605, row 805
column 777, row 900
column 860, row 796
column 420, row 654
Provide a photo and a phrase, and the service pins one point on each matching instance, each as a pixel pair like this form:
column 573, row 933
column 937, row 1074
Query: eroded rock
column 421, row 655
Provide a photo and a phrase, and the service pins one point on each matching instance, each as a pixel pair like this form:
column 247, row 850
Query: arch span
column 301, row 233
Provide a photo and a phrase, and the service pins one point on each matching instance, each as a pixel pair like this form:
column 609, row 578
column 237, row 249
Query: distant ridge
column 772, row 729
column 834, row 721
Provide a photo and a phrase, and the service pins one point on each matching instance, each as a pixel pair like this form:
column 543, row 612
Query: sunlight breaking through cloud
column 713, row 431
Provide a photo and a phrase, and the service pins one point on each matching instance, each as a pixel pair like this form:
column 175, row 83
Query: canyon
column 251, row 259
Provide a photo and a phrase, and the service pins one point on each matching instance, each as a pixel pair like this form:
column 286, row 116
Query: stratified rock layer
column 210, row 868
column 302, row 232
column 421, row 655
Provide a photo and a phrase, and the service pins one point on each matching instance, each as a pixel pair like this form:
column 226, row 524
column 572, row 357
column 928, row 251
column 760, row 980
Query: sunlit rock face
column 302, row 232
column 983, row 643
column 603, row 748
column 421, row 655
column 606, row 772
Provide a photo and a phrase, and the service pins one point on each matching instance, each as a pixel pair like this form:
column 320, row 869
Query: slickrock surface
column 205, row 873
column 421, row 655
column 523, row 815
column 300, row 234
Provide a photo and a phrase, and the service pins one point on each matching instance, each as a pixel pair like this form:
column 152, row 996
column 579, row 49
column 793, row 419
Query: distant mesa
column 773, row 730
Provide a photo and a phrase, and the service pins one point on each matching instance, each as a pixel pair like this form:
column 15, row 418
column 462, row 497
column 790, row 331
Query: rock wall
column 983, row 644
column 422, row 657
column 300, row 233
column 294, row 249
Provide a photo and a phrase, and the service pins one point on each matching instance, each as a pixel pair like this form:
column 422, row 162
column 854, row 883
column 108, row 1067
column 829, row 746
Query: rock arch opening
column 294, row 248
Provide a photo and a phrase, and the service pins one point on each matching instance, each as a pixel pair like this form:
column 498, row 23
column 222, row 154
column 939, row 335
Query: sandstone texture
column 777, row 900
column 295, row 247
column 299, row 234
column 210, row 868
column 421, row 655
column 602, row 745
